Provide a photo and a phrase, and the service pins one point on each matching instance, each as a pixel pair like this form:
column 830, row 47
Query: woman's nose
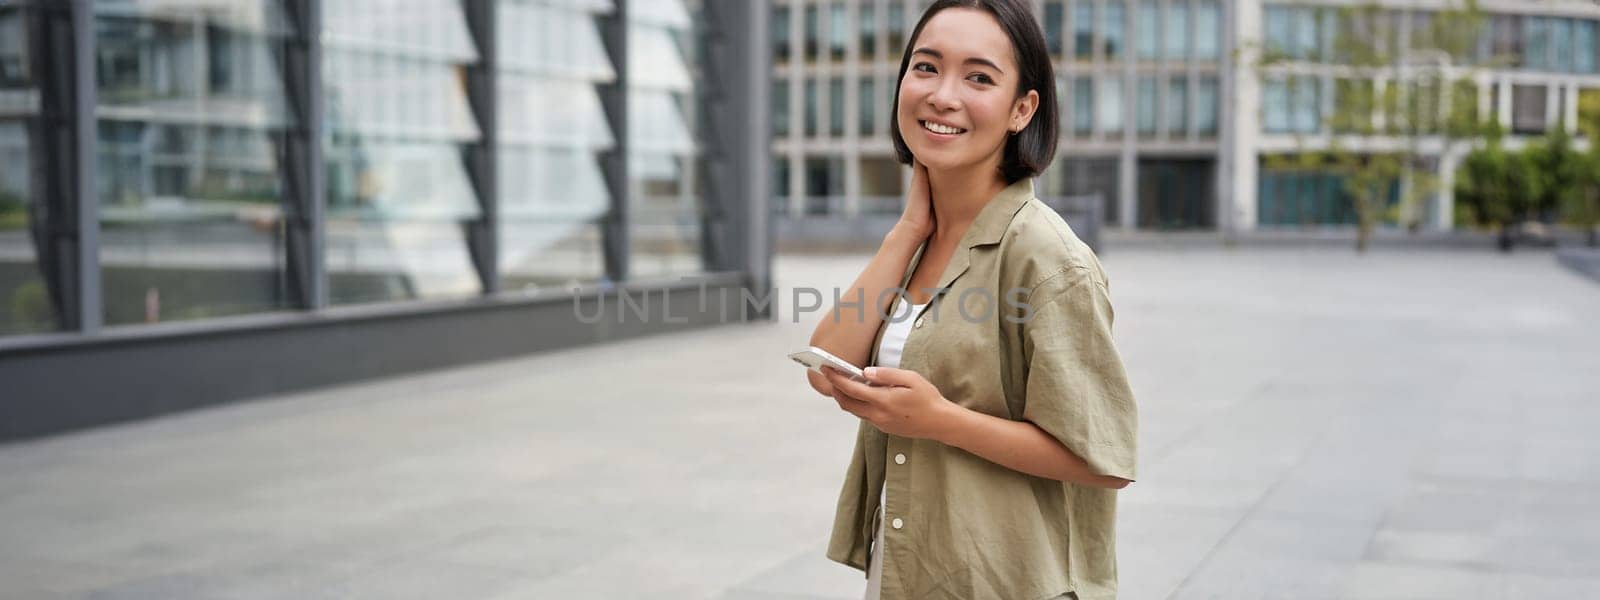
column 944, row 96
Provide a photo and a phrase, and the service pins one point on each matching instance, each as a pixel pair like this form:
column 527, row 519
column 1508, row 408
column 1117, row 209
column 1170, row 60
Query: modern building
column 1177, row 112
column 213, row 199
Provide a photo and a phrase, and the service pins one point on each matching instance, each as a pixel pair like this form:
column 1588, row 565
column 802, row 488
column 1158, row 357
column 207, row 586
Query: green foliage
column 30, row 308
column 1499, row 186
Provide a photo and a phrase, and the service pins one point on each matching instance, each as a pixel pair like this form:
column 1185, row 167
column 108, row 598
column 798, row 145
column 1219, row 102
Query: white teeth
column 937, row 128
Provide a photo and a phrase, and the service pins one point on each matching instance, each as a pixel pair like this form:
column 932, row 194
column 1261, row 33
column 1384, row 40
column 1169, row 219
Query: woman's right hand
column 917, row 217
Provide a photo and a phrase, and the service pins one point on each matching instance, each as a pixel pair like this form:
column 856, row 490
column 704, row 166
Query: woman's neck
column 958, row 197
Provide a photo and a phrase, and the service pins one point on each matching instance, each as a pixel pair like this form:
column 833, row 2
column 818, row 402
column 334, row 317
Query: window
column 1083, row 30
column 811, row 107
column 780, row 108
column 1053, row 16
column 1307, row 98
column 836, row 107
column 1506, row 42
column 869, row 31
column 1147, row 106
column 1275, row 105
column 1536, row 52
column 1177, row 106
column 1116, row 27
column 1560, row 44
column 780, row 185
column 1110, row 108
column 1208, row 30
column 1205, row 106
column 1355, row 101
column 897, row 28
column 780, row 33
column 1178, row 31
column 823, row 183
column 1583, row 49
column 1148, row 30
column 1304, row 22
column 838, row 30
column 1528, row 108
column 1082, row 106
column 1290, row 105
column 1279, row 36
column 867, row 96
column 813, row 31
column 1422, row 30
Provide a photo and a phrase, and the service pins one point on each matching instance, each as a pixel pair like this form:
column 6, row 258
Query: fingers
column 855, row 389
column 892, row 376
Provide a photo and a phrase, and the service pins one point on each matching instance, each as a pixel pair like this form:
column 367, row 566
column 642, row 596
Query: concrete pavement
column 1315, row 424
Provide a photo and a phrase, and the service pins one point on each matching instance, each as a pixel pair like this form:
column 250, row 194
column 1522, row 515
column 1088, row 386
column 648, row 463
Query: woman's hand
column 901, row 402
column 917, row 217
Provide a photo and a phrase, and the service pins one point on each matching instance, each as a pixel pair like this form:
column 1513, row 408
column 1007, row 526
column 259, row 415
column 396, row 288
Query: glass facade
column 1147, row 32
column 666, row 210
column 397, row 119
column 197, row 136
column 25, row 305
column 1307, row 198
column 191, row 213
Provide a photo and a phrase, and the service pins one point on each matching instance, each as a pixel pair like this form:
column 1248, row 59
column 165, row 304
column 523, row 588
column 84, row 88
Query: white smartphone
column 813, row 358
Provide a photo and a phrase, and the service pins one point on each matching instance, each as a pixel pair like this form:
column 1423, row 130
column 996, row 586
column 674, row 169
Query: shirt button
column 919, row 323
column 898, row 523
column 899, row 459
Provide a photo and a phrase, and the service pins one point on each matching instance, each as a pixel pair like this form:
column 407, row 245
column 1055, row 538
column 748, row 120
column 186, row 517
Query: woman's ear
column 1022, row 111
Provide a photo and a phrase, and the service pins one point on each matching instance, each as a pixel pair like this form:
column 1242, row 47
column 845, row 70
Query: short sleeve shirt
column 1020, row 328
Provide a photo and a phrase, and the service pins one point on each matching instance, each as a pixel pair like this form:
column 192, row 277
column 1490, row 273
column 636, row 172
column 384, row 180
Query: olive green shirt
column 1033, row 344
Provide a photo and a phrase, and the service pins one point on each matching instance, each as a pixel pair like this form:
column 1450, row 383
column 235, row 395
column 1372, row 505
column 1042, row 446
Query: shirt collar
column 992, row 221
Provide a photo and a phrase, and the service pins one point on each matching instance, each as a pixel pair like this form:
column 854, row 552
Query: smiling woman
column 990, row 449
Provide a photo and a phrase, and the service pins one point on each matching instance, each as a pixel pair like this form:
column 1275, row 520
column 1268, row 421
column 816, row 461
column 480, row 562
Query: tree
column 1581, row 207
column 1498, row 185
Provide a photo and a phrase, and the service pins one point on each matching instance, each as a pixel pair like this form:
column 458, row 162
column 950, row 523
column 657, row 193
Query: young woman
column 999, row 424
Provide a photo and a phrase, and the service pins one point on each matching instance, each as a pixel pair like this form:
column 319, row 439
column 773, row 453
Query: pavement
column 1409, row 423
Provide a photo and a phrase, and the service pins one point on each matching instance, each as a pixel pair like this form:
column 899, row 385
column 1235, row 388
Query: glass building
column 1175, row 111
column 183, row 175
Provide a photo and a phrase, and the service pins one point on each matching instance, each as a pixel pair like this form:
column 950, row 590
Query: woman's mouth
column 941, row 129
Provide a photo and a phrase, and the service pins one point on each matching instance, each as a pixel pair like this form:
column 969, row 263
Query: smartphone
column 814, row 358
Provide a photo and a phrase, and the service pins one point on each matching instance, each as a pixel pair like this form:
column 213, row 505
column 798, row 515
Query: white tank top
column 894, row 340
column 894, row 336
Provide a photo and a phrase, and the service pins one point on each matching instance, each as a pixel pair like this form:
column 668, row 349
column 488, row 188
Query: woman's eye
column 924, row 67
column 981, row 78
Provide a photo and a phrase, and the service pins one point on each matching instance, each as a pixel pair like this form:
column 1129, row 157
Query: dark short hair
column 1028, row 152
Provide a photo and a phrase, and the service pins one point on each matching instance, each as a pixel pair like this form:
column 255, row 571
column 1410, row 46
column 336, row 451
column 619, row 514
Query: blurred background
column 507, row 285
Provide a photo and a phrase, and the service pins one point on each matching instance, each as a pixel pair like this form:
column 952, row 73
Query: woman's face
column 958, row 100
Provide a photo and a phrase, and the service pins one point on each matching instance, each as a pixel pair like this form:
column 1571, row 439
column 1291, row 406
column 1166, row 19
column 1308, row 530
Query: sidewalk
column 1314, row 424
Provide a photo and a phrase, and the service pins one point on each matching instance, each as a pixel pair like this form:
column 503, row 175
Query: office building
column 213, row 199
column 1173, row 111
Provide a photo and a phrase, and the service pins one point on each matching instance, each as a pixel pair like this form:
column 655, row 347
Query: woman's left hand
column 902, row 402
